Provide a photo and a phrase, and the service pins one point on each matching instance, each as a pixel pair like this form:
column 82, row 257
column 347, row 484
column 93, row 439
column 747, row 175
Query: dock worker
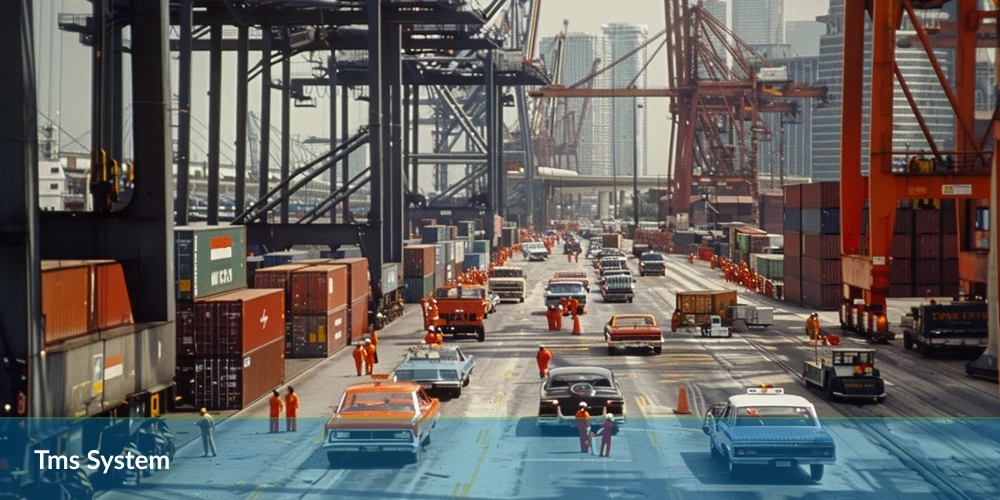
column 550, row 316
column 291, row 410
column 374, row 338
column 276, row 407
column 430, row 338
column 207, row 426
column 439, row 336
column 557, row 316
column 564, row 302
column 574, row 306
column 543, row 358
column 583, row 425
column 359, row 357
column 369, row 356
column 607, row 430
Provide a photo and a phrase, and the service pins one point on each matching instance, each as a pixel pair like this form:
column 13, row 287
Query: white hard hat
column 368, row 341
column 582, row 404
column 609, row 416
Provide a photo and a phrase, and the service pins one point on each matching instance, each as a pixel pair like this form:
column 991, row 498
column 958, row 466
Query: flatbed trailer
column 961, row 326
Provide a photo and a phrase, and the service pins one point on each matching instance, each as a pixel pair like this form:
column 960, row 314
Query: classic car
column 578, row 275
column 535, row 251
column 652, row 263
column 609, row 263
column 462, row 309
column 765, row 426
column 607, row 252
column 557, row 289
column 381, row 417
column 618, row 288
column 493, row 300
column 633, row 330
column 567, row 387
column 444, row 368
column 508, row 283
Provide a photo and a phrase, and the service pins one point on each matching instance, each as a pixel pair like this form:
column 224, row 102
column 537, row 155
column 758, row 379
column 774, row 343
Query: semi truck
column 959, row 325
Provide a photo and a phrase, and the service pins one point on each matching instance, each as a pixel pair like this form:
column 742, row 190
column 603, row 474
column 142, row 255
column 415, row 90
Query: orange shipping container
column 277, row 277
column 357, row 273
column 318, row 289
column 65, row 301
column 112, row 306
column 358, row 318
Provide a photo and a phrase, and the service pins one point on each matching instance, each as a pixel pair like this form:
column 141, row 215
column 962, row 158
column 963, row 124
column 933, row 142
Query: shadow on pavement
column 716, row 472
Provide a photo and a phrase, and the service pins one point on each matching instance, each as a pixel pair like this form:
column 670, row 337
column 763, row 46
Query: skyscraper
column 759, row 22
column 804, row 37
column 718, row 9
column 627, row 121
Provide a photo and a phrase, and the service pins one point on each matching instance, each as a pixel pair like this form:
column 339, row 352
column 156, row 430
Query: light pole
column 635, row 162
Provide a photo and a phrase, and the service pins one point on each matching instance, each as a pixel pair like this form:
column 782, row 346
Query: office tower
column 626, row 125
column 803, row 37
column 718, row 9
column 759, row 22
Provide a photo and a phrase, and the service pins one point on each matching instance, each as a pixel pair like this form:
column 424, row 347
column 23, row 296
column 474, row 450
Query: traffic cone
column 576, row 325
column 682, row 402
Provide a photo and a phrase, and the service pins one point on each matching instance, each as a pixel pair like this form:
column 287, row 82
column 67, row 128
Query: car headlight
column 341, row 435
column 403, row 435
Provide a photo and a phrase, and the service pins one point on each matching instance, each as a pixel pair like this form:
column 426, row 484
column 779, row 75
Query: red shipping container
column 793, row 244
column 904, row 221
column 357, row 273
column 949, row 290
column 793, row 196
column 929, row 290
column 949, row 246
column 453, row 232
column 928, row 272
column 793, row 290
column 277, row 277
column 66, row 306
column 232, row 383
column 821, row 272
column 357, row 316
column 821, row 246
column 418, row 261
column 319, row 289
column 949, row 272
column 901, row 246
column 949, row 222
column 818, row 296
column 112, row 307
column 821, row 195
column 318, row 336
column 900, row 272
column 928, row 221
column 793, row 266
column 235, row 323
column 899, row 291
column 929, row 246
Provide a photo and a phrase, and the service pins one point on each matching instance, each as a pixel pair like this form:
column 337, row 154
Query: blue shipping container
column 480, row 246
column 345, row 252
column 278, row 258
column 793, row 220
column 820, row 221
column 475, row 260
column 466, row 228
column 434, row 234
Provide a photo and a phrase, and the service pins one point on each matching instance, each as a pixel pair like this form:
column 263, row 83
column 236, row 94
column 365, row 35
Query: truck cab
column 847, row 373
column 956, row 326
column 508, row 283
column 570, row 289
column 462, row 309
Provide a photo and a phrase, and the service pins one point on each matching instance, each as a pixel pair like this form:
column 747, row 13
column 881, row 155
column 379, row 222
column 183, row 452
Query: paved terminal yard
column 927, row 440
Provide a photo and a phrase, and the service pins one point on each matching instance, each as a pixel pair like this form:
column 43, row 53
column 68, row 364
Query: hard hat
column 204, row 411
column 367, row 341
column 609, row 416
column 583, row 405
column 541, row 347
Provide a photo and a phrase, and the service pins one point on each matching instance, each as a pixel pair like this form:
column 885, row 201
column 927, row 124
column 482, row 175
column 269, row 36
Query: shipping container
column 185, row 382
column 278, row 258
column 793, row 290
column 344, row 252
column 901, row 247
column 460, row 251
column 66, row 305
column 319, row 289
column 112, row 307
column 357, row 274
column 793, row 267
column 758, row 243
column 479, row 261
column 793, row 196
column 481, row 246
column 418, row 260
column 418, row 288
column 904, row 221
column 821, row 195
column 929, row 246
column 705, row 302
column 314, row 262
column 232, row 383
column 236, row 323
column 929, row 290
column 900, row 272
column 683, row 238
column 185, row 328
column 928, row 272
column 823, row 297
column 440, row 276
column 277, row 277
column 949, row 246
column 821, row 220
column 209, row 260
column 466, row 228
column 357, row 317
column 119, row 370
column 901, row 290
column 928, row 222
column 318, row 335
column 157, row 358
column 434, row 234
column 614, row 240
column 949, row 222
column 769, row 266
column 793, row 243
column 821, row 246
column 821, row 271
column 949, row 271
column 74, row 381
column 392, row 272
column 452, row 232
column 793, row 220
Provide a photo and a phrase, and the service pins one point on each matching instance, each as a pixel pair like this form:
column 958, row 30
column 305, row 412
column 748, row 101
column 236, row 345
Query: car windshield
column 634, row 322
column 409, row 375
column 611, row 264
column 775, row 416
column 560, row 381
column 853, row 358
column 459, row 293
column 508, row 273
column 572, row 274
column 618, row 281
column 565, row 288
column 651, row 257
column 377, row 401
column 423, row 352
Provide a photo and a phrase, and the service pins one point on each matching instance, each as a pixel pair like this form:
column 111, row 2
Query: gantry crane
column 717, row 108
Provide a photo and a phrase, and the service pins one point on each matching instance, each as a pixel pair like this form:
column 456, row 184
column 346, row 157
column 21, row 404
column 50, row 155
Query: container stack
column 392, row 272
column 359, row 291
column 769, row 266
column 278, row 258
column 80, row 297
column 441, row 253
column 466, row 232
column 421, row 224
column 745, row 240
column 509, row 237
column 434, row 234
column 793, row 244
column 419, row 271
column 479, row 261
column 230, row 339
column 771, row 215
column 821, row 275
column 481, row 246
column 924, row 250
column 318, row 311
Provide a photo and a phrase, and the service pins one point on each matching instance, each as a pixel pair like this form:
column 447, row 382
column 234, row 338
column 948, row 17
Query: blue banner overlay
column 508, row 458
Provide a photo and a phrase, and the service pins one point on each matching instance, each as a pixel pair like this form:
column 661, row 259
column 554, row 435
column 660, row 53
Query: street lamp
column 635, row 162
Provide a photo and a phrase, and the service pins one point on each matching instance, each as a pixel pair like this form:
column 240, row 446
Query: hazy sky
column 64, row 73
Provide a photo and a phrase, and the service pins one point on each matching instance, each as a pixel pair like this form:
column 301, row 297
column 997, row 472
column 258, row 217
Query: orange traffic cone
column 576, row 325
column 682, row 402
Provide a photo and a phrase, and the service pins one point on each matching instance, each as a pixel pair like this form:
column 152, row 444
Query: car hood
column 804, row 435
column 372, row 419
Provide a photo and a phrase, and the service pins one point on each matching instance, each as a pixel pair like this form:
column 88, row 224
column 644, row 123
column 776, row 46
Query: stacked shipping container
column 924, row 250
column 812, row 245
column 419, row 263
column 318, row 311
column 359, row 292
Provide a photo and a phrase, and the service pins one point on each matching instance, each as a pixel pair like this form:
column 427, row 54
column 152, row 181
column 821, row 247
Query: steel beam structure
column 395, row 224
column 214, row 121
column 331, row 70
column 286, row 129
column 375, row 249
column 242, row 82
column 263, row 171
column 183, row 114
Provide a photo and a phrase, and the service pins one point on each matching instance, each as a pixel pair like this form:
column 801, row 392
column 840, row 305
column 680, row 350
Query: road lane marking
column 641, row 401
column 632, row 375
column 318, row 438
column 458, row 486
column 479, row 438
column 499, row 399
column 256, row 492
column 467, row 487
column 508, row 374
column 654, row 439
column 576, row 460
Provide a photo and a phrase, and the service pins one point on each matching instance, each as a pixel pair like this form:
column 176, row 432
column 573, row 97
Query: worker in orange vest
column 574, row 306
column 543, row 358
column 369, row 356
column 564, row 302
column 276, row 407
column 374, row 338
column 583, row 425
column 559, row 316
column 439, row 337
column 576, row 256
column 550, row 313
column 430, row 338
column 359, row 357
column 291, row 410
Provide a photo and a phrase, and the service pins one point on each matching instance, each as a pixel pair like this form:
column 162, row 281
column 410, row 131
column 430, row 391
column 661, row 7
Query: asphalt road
column 923, row 442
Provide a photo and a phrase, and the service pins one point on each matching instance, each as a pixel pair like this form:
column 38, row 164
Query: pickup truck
column 955, row 326
column 508, row 283
column 652, row 263
column 462, row 309
column 765, row 426
column 633, row 330
column 618, row 288
column 714, row 328
column 558, row 289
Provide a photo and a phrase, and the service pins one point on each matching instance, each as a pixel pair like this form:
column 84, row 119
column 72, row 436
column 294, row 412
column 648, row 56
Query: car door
column 709, row 425
column 722, row 440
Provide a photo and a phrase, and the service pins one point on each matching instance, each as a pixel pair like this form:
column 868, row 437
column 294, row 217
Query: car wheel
column 332, row 458
column 816, row 471
column 611, row 351
column 427, row 440
column 714, row 451
column 457, row 392
column 481, row 333
column 630, row 300
column 522, row 299
column 907, row 342
column 658, row 350
column 465, row 383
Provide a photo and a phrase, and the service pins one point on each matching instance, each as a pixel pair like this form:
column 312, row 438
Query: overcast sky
column 64, row 73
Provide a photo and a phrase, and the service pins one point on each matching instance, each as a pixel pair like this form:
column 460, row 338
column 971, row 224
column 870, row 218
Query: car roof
column 626, row 316
column 581, row 370
column 384, row 387
column 742, row 400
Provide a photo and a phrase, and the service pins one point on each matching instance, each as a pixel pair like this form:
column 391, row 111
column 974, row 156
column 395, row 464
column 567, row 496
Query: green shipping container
column 467, row 228
column 480, row 246
column 417, row 288
column 769, row 266
column 209, row 260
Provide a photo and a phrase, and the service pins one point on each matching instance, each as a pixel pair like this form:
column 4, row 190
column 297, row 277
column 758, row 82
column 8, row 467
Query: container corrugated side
column 277, row 277
column 119, row 370
column 209, row 260
column 793, row 196
column 233, row 383
column 793, row 290
column 74, row 381
column 66, row 303
column 319, row 336
column 319, row 289
column 112, row 307
column 821, row 271
column 357, row 316
column 824, row 297
column 357, row 271
column 821, row 246
column 392, row 273
column 235, row 323
column 156, row 348
column 417, row 288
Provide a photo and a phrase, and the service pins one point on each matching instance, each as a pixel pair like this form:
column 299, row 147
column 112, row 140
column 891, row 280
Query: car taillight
column 554, row 403
column 612, row 403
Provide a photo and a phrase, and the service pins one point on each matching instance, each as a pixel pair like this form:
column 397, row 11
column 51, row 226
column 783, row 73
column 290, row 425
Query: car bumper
column 563, row 421
column 381, row 446
column 512, row 295
column 635, row 343
column 440, row 385
column 778, row 461
column 617, row 296
column 855, row 395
